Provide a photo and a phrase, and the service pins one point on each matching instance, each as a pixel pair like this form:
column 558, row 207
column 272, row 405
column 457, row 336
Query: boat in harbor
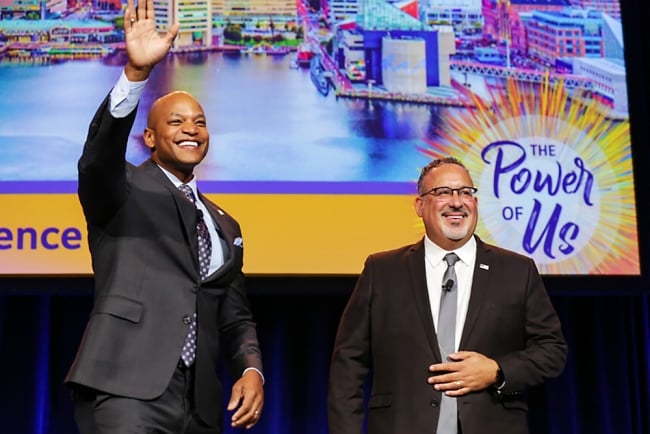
column 321, row 78
column 304, row 54
column 265, row 49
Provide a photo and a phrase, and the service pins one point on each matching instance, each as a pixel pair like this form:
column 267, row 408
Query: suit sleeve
column 238, row 329
column 545, row 351
column 102, row 168
column 351, row 360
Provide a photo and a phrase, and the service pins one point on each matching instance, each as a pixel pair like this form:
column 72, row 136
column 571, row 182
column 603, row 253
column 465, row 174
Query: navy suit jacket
column 387, row 331
column 143, row 243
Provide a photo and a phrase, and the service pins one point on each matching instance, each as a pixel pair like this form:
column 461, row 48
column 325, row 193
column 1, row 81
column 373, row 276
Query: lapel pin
column 484, row 267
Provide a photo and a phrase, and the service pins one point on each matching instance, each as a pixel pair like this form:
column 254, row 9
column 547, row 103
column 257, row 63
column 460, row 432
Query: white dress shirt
column 216, row 259
column 435, row 267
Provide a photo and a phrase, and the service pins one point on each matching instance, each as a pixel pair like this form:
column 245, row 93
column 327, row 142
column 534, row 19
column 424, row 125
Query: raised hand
column 145, row 47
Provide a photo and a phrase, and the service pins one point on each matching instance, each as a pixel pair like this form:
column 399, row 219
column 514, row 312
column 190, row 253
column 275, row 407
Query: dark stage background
column 606, row 321
column 604, row 388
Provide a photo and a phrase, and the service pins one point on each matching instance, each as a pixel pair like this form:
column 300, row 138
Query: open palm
column 144, row 45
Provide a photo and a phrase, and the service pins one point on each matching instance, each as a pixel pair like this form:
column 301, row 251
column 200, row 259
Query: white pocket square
column 238, row 242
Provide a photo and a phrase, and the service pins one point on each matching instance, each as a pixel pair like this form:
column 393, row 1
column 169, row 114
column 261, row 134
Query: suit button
column 187, row 320
column 434, row 403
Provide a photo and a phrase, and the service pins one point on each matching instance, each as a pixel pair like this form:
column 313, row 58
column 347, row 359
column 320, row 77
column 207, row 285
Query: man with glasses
column 448, row 333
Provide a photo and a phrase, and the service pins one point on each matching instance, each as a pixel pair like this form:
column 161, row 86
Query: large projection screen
column 321, row 117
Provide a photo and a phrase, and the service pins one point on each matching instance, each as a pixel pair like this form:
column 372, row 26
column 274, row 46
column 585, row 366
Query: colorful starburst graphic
column 554, row 173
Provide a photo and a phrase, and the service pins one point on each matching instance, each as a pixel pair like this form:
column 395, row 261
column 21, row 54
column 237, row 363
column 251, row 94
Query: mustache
column 461, row 209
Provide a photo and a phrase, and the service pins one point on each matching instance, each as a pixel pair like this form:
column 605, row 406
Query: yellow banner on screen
column 45, row 234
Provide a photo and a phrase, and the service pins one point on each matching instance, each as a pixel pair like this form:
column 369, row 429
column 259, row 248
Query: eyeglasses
column 446, row 193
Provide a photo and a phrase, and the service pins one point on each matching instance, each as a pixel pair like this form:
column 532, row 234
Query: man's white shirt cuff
column 256, row 370
column 125, row 96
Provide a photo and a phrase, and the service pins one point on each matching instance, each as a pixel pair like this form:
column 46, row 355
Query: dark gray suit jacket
column 387, row 329
column 143, row 244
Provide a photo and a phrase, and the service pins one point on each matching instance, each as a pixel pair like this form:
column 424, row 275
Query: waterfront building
column 63, row 31
column 339, row 10
column 11, row 9
column 489, row 55
column 400, row 53
column 251, row 13
column 503, row 19
column 462, row 14
column 404, row 66
column 107, row 5
column 612, row 37
column 255, row 8
column 47, row 41
column 608, row 78
column 410, row 7
column 194, row 17
column 351, row 54
column 610, row 7
column 378, row 14
column 567, row 33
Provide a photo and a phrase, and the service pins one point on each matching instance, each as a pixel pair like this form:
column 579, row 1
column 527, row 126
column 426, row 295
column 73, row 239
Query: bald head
column 177, row 133
column 162, row 105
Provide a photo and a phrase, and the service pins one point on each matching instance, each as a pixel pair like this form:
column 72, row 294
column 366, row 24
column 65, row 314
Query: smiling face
column 450, row 221
column 177, row 134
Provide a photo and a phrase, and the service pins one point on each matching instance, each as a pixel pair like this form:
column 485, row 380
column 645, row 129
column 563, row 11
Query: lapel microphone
column 448, row 285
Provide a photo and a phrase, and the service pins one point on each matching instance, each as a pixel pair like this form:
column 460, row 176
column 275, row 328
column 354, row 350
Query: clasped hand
column 465, row 372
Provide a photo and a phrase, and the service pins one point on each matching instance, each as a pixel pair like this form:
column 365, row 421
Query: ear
column 149, row 138
column 418, row 205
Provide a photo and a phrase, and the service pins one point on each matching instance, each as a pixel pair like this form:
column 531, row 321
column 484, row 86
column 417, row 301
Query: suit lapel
column 187, row 213
column 417, row 273
column 218, row 216
column 186, row 210
column 226, row 231
column 480, row 290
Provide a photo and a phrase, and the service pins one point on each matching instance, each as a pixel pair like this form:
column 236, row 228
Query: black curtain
column 604, row 389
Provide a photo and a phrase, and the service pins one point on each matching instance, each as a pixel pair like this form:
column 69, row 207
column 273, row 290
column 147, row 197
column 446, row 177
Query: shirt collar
column 436, row 254
column 177, row 183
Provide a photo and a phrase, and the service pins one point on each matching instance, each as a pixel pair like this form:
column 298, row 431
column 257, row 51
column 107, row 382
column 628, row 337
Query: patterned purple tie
column 188, row 354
